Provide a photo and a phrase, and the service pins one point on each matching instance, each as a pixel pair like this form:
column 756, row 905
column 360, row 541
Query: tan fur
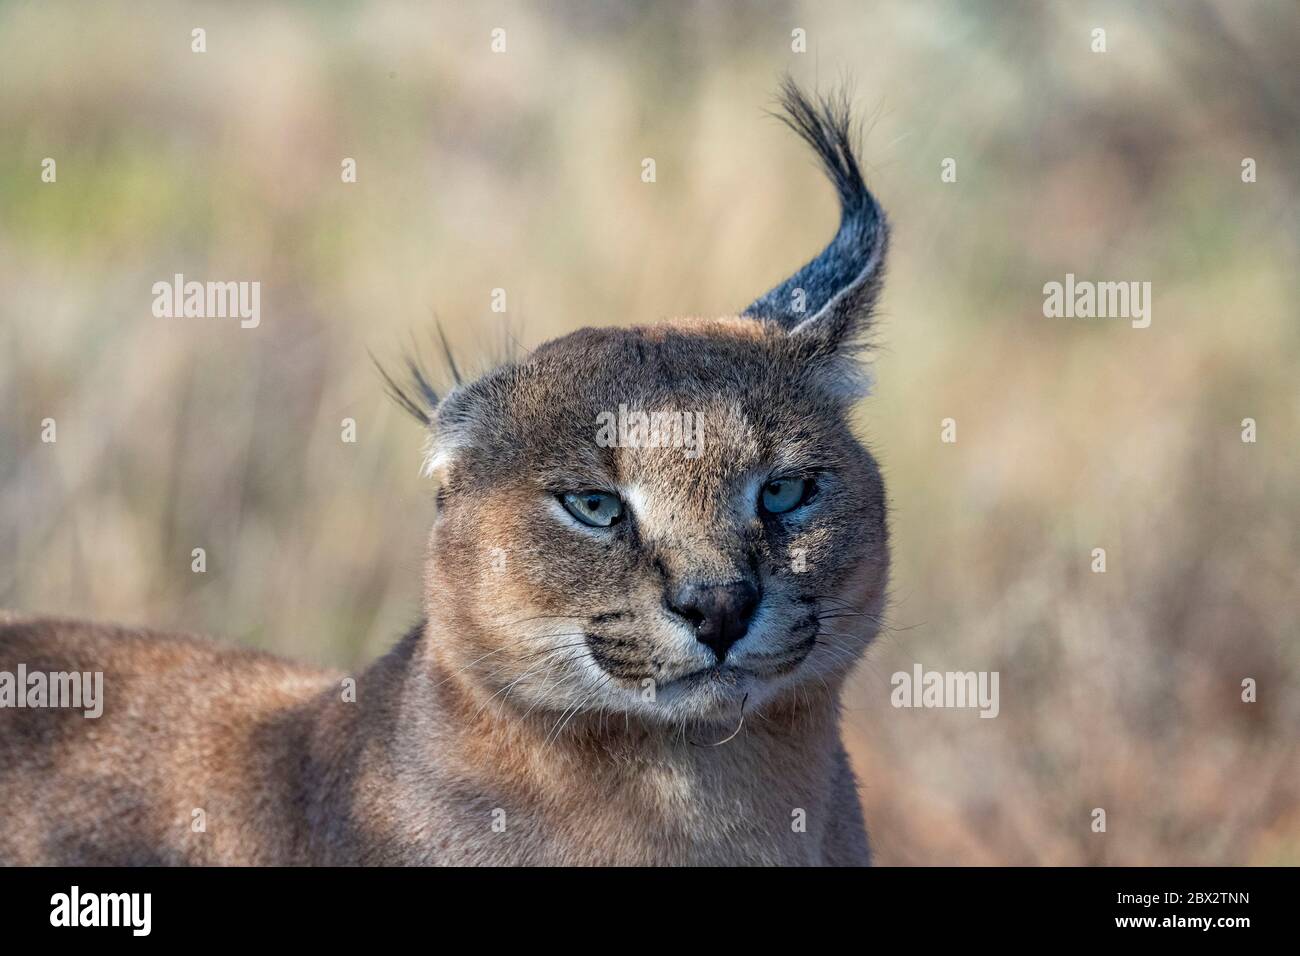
column 289, row 774
column 554, row 706
column 287, row 771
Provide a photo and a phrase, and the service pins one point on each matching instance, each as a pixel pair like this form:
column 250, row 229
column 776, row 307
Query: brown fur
column 514, row 726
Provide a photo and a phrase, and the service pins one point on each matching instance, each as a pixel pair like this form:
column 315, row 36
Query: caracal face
column 569, row 554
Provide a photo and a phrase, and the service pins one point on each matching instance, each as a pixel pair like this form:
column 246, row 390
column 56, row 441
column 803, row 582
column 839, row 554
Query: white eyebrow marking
column 634, row 497
column 749, row 502
column 743, row 504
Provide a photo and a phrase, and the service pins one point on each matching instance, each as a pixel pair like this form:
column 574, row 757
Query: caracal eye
column 599, row 509
column 784, row 494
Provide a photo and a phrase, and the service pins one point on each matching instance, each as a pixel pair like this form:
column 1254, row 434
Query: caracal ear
column 830, row 301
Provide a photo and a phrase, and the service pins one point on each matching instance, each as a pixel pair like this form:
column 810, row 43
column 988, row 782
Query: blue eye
column 782, row 495
column 598, row 509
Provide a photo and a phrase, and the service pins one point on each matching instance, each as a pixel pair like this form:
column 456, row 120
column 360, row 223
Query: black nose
column 719, row 613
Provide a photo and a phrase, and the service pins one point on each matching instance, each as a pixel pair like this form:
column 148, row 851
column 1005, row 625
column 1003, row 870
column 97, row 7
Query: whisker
column 568, row 660
column 536, row 617
column 468, row 666
column 582, row 703
column 735, row 733
column 528, row 673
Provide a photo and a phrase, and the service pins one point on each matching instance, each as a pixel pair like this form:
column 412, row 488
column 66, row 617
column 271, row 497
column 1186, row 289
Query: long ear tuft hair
column 412, row 388
column 833, row 295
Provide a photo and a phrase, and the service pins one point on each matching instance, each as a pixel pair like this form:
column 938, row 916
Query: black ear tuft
column 413, row 391
column 415, row 395
column 832, row 295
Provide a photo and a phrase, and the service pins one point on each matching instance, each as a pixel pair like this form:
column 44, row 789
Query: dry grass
column 478, row 171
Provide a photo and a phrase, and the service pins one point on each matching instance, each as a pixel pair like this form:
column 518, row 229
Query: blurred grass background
column 522, row 171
